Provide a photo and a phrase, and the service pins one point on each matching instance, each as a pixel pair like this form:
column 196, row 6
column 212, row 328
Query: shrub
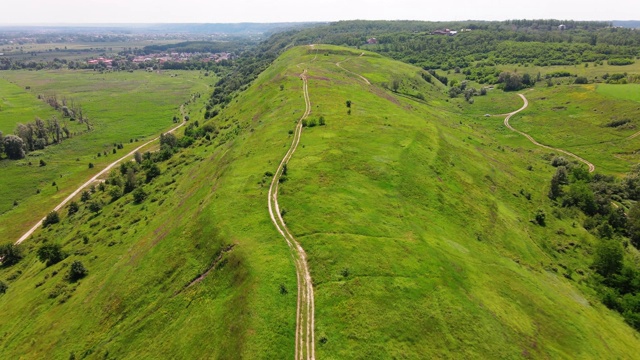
column 73, row 208
column 541, row 217
column 153, row 172
column 50, row 254
column 42, row 163
column 86, row 196
column 321, row 121
column 348, row 103
column 10, row 254
column 559, row 161
column 90, row 165
column 3, row 287
column 50, row 219
column 581, row 80
column 139, row 195
column 620, row 62
column 95, row 207
column 77, row 271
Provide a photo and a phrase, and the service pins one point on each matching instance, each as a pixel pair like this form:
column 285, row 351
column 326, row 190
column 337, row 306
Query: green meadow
column 582, row 120
column 123, row 108
column 624, row 92
column 412, row 209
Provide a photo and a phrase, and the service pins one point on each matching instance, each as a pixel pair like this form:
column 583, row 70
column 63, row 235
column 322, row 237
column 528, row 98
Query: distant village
column 161, row 58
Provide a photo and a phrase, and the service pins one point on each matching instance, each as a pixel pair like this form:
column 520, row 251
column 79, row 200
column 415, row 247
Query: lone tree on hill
column 50, row 254
column 14, row 147
column 10, row 254
column 77, row 271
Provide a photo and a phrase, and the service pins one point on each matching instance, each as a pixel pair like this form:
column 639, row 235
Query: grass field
column 624, row 92
column 575, row 118
column 413, row 215
column 121, row 107
column 19, row 106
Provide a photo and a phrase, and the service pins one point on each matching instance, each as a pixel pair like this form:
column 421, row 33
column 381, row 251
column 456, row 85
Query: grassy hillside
column 122, row 107
column 414, row 211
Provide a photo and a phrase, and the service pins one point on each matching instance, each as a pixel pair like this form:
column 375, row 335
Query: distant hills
column 634, row 24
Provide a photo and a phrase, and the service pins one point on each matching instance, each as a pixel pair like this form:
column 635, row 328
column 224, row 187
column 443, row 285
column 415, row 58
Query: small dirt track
column 349, row 71
column 592, row 167
column 305, row 318
column 91, row 181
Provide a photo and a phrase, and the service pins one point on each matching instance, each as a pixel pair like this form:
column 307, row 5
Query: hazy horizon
column 118, row 12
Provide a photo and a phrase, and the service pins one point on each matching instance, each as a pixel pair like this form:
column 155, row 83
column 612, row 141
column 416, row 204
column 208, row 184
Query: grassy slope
column 122, row 106
column 421, row 204
column 420, row 208
column 574, row 118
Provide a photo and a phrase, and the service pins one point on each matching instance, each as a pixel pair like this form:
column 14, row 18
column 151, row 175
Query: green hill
column 413, row 211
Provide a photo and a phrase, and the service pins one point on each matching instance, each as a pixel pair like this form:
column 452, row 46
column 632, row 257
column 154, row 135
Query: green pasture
column 622, row 92
column 575, row 118
column 17, row 105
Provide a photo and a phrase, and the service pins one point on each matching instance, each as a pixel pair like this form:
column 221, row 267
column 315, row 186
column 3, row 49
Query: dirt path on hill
column 95, row 179
column 338, row 64
column 305, row 310
column 634, row 136
column 526, row 104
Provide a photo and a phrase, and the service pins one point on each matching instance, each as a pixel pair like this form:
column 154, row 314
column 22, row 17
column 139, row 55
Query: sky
column 232, row 11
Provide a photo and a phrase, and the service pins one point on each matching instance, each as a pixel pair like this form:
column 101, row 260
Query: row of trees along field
column 38, row 134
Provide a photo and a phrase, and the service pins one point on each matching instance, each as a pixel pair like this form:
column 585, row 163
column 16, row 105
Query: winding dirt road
column 305, row 318
column 592, row 167
column 92, row 180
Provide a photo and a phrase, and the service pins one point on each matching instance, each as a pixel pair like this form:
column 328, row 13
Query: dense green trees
column 615, row 274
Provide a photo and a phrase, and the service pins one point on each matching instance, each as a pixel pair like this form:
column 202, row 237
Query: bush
column 85, row 196
column 139, row 195
column 73, row 208
column 321, row 121
column 541, row 217
column 95, row 207
column 50, row 254
column 52, row 218
column 153, row 172
column 559, row 161
column 42, row 163
column 90, row 165
column 581, row 80
column 10, row 254
column 77, row 271
column 620, row 62
column 3, row 287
